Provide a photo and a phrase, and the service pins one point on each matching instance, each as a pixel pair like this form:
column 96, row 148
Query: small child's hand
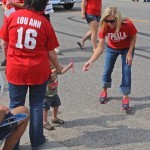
column 71, row 64
column 53, row 70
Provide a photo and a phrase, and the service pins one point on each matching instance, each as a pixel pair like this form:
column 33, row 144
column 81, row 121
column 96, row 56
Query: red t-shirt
column 30, row 36
column 93, row 7
column 121, row 39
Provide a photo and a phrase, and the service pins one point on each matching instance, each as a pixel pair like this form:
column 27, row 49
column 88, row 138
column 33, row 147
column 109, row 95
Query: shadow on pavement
column 119, row 135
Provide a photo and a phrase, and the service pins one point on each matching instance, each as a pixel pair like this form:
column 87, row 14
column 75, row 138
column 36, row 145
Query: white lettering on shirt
column 34, row 23
column 22, row 20
column 29, row 21
column 117, row 36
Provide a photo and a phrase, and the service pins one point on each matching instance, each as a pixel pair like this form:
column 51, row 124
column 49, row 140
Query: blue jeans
column 110, row 60
column 17, row 95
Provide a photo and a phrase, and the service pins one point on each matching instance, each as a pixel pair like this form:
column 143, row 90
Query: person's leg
column 45, row 114
column 55, row 119
column 36, row 101
column 54, row 113
column 55, row 104
column 3, row 111
column 17, row 94
column 11, row 141
column 46, row 124
column 89, row 18
column 125, row 86
column 85, row 37
column 46, row 107
column 110, row 60
column 94, row 30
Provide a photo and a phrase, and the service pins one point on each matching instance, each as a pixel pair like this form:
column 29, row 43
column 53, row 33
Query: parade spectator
column 52, row 98
column 121, row 34
column 9, row 7
column 28, row 40
column 12, row 130
column 91, row 11
column 49, row 9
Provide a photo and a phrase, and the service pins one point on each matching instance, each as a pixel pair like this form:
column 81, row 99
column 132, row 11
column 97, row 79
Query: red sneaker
column 125, row 104
column 103, row 97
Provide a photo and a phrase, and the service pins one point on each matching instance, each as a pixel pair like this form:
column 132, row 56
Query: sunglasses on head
column 110, row 21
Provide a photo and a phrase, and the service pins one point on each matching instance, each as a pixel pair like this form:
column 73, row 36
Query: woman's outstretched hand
column 87, row 66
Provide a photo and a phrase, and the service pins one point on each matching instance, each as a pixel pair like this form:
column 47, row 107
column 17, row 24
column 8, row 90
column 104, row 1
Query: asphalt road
column 88, row 124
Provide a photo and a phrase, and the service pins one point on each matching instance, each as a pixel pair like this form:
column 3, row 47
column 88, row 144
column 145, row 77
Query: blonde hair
column 112, row 11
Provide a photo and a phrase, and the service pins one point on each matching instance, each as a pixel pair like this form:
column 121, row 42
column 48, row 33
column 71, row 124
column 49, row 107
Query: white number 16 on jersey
column 29, row 39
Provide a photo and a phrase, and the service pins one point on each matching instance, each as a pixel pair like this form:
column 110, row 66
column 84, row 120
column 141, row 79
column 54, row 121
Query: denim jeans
column 90, row 18
column 17, row 95
column 110, row 60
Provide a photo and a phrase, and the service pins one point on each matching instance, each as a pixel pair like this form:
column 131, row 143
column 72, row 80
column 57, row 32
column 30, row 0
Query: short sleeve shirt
column 121, row 39
column 52, row 85
column 93, row 7
column 30, row 37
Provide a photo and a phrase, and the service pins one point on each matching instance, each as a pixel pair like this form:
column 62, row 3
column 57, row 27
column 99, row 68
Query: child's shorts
column 53, row 101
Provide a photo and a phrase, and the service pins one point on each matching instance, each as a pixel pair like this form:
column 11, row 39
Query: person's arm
column 4, row 46
column 70, row 65
column 98, row 51
column 3, row 5
column 83, row 4
column 19, row 5
column 131, row 48
column 13, row 138
column 54, row 60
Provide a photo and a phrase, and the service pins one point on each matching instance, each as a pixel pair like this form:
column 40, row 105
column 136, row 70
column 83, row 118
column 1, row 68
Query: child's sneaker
column 103, row 97
column 125, row 104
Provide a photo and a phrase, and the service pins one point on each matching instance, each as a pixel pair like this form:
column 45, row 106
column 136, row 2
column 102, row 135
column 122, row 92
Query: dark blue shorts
column 90, row 18
column 53, row 101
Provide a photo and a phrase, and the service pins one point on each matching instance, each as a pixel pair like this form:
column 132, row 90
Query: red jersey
column 121, row 39
column 30, row 36
column 93, row 7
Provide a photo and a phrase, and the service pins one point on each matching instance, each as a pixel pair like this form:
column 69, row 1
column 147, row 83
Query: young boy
column 52, row 98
